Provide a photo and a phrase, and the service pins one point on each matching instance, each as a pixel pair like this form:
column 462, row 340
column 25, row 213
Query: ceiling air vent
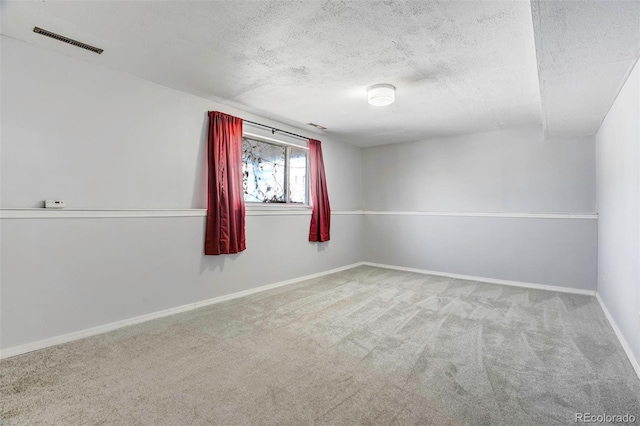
column 317, row 126
column 76, row 43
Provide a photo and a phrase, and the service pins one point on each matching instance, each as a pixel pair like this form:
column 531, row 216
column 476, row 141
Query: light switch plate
column 54, row 204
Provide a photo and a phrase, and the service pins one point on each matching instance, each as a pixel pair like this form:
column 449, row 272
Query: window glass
column 298, row 175
column 273, row 173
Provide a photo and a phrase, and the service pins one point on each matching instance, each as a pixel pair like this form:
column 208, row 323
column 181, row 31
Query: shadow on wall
column 320, row 246
column 199, row 199
column 216, row 263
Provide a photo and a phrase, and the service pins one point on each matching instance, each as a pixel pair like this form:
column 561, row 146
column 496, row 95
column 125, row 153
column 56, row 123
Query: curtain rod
column 274, row 130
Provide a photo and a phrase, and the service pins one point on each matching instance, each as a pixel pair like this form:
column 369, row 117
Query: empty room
column 319, row 212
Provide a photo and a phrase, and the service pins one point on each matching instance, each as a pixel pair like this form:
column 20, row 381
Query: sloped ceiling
column 459, row 67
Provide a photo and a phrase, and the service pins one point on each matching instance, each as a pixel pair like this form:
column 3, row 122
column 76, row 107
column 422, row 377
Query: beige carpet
column 363, row 346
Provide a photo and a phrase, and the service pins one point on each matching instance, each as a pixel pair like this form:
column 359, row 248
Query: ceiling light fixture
column 381, row 94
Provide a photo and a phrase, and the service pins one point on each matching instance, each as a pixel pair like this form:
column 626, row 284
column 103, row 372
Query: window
column 274, row 173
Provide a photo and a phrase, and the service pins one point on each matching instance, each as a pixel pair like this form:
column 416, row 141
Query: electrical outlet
column 54, row 204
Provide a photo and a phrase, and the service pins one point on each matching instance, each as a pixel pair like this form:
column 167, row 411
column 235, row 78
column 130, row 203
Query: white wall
column 618, row 189
column 557, row 252
column 64, row 275
column 515, row 171
column 103, row 139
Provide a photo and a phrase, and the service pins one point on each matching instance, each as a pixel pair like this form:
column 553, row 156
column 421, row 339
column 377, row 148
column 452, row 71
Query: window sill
column 275, row 206
column 276, row 209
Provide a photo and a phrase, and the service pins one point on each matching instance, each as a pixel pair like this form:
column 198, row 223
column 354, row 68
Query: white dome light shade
column 381, row 94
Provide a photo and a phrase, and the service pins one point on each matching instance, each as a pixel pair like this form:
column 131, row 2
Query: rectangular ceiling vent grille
column 68, row 40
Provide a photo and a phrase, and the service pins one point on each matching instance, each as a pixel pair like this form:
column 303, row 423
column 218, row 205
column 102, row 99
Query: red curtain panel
column 321, row 213
column 225, row 208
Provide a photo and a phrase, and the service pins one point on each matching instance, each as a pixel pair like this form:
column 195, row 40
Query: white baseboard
column 623, row 341
column 486, row 280
column 76, row 335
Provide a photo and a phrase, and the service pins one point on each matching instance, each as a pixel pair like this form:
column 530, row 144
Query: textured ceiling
column 585, row 51
column 459, row 67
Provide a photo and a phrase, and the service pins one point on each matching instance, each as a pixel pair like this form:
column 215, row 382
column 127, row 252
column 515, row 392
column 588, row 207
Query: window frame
column 287, row 145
